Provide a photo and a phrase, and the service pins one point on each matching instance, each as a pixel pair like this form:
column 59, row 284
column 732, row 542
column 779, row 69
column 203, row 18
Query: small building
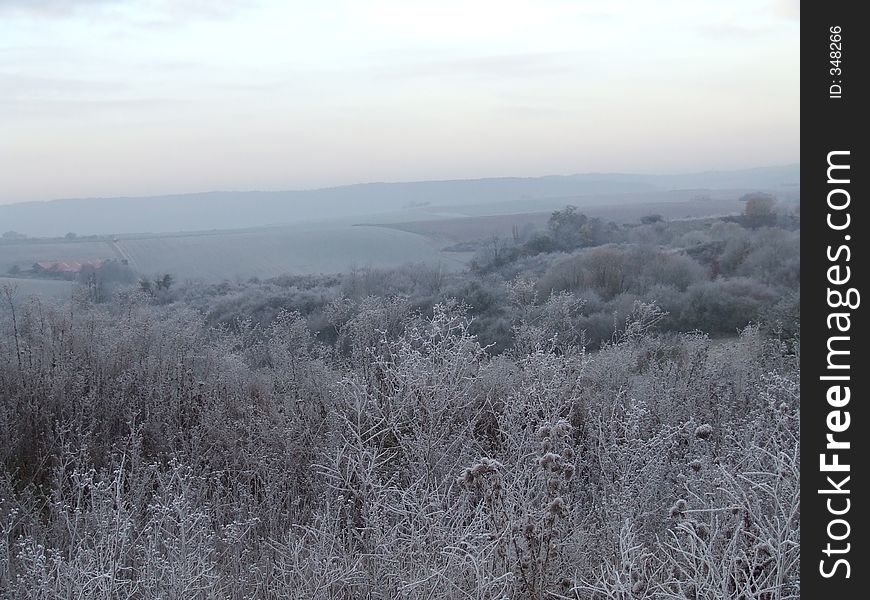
column 66, row 267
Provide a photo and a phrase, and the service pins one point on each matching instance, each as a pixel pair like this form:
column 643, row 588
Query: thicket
column 712, row 275
column 147, row 454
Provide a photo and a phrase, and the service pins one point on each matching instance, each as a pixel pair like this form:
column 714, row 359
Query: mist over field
column 232, row 210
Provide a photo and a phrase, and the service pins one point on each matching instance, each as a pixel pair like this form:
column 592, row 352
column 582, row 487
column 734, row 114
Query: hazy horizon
column 605, row 175
column 107, row 98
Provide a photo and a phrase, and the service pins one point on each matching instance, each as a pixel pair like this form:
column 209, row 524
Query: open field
column 260, row 252
column 273, row 251
column 339, row 245
column 622, row 207
column 47, row 288
column 471, row 228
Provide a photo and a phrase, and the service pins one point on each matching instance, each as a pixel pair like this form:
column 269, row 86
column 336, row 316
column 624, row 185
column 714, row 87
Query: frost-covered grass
column 146, row 455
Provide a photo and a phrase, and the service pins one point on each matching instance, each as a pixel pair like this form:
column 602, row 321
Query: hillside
column 372, row 201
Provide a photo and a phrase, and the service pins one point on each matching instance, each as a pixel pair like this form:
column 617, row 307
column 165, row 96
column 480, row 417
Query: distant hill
column 231, row 210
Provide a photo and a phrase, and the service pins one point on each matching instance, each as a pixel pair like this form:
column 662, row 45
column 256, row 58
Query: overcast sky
column 136, row 97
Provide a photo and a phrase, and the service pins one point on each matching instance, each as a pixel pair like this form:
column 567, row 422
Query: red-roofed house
column 66, row 266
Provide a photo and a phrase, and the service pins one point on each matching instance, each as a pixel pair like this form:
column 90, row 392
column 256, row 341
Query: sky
column 146, row 97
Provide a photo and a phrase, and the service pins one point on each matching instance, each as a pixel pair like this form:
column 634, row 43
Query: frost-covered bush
column 147, row 453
